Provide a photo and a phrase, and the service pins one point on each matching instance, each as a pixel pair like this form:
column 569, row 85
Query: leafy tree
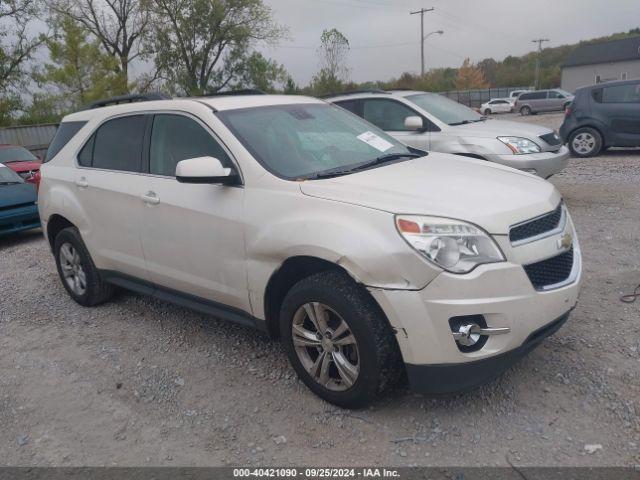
column 470, row 77
column 17, row 47
column 79, row 70
column 206, row 45
column 261, row 73
column 119, row 25
column 290, row 87
column 333, row 73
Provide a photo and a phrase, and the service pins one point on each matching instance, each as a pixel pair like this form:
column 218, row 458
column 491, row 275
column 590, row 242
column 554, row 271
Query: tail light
column 567, row 112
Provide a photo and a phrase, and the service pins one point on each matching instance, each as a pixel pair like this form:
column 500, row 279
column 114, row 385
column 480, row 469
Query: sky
column 385, row 39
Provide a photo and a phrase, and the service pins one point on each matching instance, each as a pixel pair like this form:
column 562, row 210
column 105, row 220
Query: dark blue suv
column 602, row 116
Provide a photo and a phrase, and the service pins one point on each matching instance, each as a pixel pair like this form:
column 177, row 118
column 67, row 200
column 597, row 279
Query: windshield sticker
column 375, row 141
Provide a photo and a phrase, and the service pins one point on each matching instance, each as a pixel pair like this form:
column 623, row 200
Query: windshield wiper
column 378, row 161
column 465, row 122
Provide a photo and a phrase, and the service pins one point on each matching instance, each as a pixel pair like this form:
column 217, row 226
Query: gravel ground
column 142, row 382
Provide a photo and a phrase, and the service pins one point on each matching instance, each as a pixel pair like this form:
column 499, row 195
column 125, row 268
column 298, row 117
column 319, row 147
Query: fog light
column 471, row 332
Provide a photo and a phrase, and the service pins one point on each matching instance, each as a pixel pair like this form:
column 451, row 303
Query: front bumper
column 19, row 219
column 450, row 378
column 545, row 164
column 501, row 293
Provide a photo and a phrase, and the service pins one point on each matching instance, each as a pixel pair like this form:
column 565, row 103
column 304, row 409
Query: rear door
column 108, row 185
column 193, row 235
column 620, row 106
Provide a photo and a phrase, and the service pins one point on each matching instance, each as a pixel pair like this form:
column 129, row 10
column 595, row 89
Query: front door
column 621, row 106
column 389, row 115
column 193, row 235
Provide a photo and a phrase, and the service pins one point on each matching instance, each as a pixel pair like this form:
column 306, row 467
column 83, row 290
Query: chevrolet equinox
column 371, row 261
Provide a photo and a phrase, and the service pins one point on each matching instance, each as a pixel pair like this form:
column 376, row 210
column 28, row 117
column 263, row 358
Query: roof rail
column 242, row 91
column 141, row 97
column 353, row 92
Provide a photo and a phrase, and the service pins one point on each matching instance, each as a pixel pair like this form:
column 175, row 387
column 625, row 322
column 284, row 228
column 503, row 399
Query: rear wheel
column 525, row 111
column 585, row 142
column 79, row 275
column 338, row 340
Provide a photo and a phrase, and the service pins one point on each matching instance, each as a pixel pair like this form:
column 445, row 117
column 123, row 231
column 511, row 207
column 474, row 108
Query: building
column 602, row 62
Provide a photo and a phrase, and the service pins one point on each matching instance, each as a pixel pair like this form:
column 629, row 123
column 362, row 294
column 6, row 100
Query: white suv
column 366, row 258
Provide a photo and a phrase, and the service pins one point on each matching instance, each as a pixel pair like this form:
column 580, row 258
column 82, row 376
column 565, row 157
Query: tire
column 487, row 111
column 525, row 111
column 77, row 271
column 374, row 351
column 585, row 142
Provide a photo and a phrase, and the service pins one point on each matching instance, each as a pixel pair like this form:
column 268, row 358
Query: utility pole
column 539, row 41
column 422, row 11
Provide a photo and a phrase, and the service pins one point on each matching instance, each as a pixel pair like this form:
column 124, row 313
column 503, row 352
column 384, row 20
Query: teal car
column 18, row 203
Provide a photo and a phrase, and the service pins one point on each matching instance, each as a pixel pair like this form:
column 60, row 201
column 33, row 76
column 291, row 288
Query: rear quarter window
column 66, row 131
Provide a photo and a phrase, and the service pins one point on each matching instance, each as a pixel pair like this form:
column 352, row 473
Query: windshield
column 444, row 109
column 8, row 176
column 13, row 154
column 305, row 140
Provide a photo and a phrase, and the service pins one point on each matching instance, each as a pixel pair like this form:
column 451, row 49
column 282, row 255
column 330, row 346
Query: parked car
column 291, row 215
column 21, row 161
column 602, row 116
column 496, row 105
column 18, row 203
column 543, row 101
column 432, row 122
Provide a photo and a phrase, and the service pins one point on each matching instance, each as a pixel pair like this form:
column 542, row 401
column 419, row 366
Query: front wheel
column 338, row 340
column 585, row 142
column 487, row 112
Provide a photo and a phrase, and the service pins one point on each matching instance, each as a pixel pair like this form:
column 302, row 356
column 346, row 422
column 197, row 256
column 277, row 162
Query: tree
column 470, row 77
column 333, row 73
column 119, row 25
column 206, row 45
column 79, row 70
column 17, row 47
column 262, row 74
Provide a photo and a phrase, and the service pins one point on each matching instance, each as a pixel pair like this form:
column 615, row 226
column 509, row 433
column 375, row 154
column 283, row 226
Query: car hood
column 24, row 166
column 500, row 128
column 17, row 194
column 486, row 194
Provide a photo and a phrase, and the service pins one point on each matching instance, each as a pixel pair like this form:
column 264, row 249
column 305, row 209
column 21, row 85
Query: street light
column 436, row 32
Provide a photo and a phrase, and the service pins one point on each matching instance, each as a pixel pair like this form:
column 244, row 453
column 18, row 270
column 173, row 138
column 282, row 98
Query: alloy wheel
column 325, row 346
column 72, row 270
column 584, row 143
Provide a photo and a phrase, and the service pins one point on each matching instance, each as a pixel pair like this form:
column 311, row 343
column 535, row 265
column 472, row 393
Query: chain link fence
column 475, row 98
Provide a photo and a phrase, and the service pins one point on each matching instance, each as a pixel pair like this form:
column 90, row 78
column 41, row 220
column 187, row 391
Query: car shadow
column 28, row 236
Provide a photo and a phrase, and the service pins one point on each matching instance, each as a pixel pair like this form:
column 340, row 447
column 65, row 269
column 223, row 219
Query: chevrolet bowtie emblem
column 565, row 242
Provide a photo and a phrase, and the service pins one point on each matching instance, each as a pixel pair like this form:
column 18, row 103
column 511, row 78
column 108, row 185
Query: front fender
column 361, row 240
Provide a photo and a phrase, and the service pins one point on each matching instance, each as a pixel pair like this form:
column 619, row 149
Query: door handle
column 150, row 198
column 82, row 182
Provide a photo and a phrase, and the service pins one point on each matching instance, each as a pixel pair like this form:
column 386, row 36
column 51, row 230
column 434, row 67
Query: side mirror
column 205, row 170
column 414, row 123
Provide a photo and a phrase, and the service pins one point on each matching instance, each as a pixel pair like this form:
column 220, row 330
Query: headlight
column 455, row 246
column 520, row 145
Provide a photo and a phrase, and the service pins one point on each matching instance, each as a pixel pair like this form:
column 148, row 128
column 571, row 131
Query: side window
column 116, row 145
column 351, row 105
column 621, row 94
column 175, row 138
column 66, row 131
column 85, row 157
column 597, row 95
column 387, row 114
column 554, row 94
